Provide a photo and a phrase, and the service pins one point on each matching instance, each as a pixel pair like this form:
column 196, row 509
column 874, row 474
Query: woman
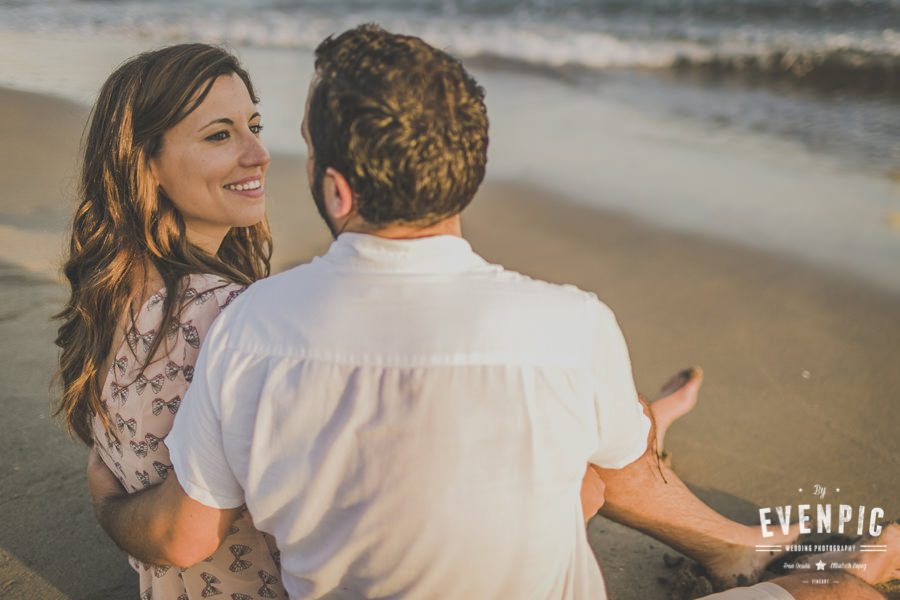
column 170, row 228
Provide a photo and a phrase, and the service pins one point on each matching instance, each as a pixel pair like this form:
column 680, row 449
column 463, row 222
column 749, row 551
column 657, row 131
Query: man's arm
column 160, row 525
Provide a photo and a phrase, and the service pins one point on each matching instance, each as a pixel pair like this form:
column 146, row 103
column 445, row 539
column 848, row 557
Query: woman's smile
column 212, row 164
column 251, row 187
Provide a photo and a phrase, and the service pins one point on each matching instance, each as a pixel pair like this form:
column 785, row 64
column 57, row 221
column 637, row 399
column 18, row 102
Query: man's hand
column 592, row 489
column 102, row 482
column 160, row 525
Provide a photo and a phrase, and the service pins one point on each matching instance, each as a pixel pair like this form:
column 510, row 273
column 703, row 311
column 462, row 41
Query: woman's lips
column 252, row 187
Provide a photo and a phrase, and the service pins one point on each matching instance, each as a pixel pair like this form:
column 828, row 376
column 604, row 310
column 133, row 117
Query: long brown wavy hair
column 125, row 224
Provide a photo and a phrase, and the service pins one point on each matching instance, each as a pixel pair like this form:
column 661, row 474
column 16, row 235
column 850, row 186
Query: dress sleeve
column 205, row 298
column 621, row 423
column 195, row 442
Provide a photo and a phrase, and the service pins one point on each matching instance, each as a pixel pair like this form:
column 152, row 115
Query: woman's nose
column 255, row 152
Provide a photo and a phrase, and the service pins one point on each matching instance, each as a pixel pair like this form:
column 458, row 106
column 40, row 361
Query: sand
column 801, row 364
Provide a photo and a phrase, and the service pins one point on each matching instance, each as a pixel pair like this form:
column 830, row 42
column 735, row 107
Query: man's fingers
column 102, row 482
column 592, row 488
column 94, row 461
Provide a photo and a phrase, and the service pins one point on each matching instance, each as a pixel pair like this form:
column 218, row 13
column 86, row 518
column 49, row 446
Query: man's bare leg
column 847, row 587
column 646, row 495
column 844, row 587
column 677, row 398
column 880, row 567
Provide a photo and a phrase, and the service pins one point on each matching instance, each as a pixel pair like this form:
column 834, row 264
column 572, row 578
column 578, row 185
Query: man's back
column 408, row 420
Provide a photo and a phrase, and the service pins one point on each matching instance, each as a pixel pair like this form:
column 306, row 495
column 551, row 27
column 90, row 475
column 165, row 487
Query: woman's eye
column 218, row 136
column 256, row 129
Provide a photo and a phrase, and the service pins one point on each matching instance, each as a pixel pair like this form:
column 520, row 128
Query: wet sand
column 800, row 364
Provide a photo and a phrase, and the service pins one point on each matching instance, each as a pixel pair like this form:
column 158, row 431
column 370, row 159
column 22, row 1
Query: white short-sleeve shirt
column 410, row 421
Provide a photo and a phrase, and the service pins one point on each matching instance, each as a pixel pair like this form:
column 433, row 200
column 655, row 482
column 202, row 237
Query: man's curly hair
column 403, row 122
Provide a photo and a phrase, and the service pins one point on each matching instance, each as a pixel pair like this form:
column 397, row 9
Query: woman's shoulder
column 202, row 296
column 210, row 290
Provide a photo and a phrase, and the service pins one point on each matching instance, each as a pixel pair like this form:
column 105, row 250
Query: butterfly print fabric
column 141, row 406
column 156, row 383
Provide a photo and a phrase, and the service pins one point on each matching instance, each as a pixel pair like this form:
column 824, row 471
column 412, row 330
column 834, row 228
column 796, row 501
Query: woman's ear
column 152, row 168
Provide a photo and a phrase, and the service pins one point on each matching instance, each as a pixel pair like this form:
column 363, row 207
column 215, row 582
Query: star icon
column 820, row 566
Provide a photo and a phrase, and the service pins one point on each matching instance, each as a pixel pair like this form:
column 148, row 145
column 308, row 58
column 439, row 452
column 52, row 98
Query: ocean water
column 684, row 113
column 825, row 73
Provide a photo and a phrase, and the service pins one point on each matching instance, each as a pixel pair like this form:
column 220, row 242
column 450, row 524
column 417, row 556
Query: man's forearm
column 161, row 525
column 131, row 522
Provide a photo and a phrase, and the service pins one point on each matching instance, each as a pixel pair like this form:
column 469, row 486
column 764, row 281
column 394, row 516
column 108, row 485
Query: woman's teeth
column 243, row 187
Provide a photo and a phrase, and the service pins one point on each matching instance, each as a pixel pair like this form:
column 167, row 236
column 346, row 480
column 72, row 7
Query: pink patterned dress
column 141, row 405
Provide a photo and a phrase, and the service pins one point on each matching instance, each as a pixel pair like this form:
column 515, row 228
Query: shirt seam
column 449, row 359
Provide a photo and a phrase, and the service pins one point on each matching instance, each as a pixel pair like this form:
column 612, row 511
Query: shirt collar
column 433, row 254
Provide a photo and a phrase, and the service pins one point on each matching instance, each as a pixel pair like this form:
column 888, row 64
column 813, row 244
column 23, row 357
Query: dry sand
column 801, row 365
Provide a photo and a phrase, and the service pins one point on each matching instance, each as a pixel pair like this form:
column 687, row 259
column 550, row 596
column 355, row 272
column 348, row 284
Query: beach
column 800, row 360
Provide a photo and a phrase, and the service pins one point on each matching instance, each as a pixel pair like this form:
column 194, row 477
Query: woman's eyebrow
column 224, row 120
column 227, row 121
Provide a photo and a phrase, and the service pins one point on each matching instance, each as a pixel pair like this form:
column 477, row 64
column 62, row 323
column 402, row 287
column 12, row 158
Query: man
column 405, row 418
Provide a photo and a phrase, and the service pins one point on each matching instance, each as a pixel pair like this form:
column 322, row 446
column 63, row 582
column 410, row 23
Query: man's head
column 399, row 124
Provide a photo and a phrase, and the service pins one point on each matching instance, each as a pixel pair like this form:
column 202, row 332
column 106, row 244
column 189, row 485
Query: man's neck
column 448, row 226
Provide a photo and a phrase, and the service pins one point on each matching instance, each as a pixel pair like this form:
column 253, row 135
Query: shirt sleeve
column 196, row 441
column 621, row 423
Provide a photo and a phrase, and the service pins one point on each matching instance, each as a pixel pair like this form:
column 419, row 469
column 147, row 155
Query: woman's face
column 212, row 165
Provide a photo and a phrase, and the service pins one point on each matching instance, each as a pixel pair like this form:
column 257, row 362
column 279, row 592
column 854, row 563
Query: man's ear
column 338, row 195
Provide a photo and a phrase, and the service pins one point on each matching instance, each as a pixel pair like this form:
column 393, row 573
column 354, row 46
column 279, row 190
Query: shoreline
column 800, row 366
column 35, row 235
column 599, row 143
